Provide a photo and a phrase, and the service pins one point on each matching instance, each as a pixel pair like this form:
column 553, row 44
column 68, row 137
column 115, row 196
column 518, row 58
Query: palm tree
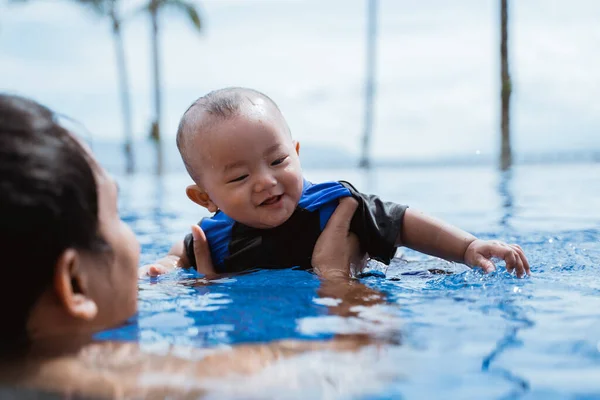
column 370, row 81
column 506, row 154
column 112, row 12
column 153, row 7
column 109, row 9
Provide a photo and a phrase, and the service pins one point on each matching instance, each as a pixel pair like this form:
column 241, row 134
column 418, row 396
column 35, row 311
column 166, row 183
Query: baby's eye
column 238, row 179
column 278, row 161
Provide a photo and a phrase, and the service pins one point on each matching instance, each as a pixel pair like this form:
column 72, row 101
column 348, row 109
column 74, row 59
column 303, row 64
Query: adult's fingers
column 202, row 252
column 342, row 216
column 336, row 249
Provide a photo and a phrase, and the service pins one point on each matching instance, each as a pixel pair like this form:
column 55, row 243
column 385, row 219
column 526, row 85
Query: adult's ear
column 70, row 286
column 200, row 197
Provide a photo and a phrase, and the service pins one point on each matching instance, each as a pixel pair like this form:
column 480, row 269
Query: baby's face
column 250, row 169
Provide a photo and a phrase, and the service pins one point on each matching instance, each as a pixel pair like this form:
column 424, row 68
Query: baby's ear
column 200, row 197
column 297, row 146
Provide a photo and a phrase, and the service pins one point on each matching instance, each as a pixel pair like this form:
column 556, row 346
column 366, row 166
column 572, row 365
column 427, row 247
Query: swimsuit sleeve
column 377, row 223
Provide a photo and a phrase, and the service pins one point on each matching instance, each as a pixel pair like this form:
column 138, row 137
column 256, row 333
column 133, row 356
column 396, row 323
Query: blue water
column 450, row 333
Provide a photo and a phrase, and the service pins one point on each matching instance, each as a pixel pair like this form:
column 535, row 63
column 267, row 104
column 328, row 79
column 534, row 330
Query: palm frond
column 100, row 7
column 189, row 8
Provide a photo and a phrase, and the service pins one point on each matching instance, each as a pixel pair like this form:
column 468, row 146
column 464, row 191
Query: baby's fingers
column 512, row 259
column 152, row 270
column 486, row 265
column 520, row 268
column 156, row 270
column 521, row 255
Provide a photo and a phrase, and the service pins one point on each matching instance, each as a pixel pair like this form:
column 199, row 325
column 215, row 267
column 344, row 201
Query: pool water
column 449, row 332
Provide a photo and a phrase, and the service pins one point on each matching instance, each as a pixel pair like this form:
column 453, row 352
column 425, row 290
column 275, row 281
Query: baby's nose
column 264, row 182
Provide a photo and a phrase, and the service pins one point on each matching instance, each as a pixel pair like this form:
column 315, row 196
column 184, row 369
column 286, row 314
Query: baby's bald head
column 214, row 108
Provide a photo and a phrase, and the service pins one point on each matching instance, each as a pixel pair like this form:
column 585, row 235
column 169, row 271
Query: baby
column 238, row 150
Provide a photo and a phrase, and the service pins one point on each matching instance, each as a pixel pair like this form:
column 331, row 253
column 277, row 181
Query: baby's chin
column 270, row 223
column 272, row 219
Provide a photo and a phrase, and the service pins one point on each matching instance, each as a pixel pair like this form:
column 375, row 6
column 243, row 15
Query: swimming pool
column 452, row 333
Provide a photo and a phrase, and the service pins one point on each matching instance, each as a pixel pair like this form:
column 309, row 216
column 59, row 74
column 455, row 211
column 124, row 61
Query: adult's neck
column 53, row 331
column 59, row 345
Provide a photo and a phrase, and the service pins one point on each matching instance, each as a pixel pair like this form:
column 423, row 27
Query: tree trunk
column 155, row 133
column 125, row 98
column 506, row 154
column 371, row 56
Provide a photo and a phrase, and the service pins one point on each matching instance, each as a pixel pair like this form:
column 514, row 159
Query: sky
column 438, row 78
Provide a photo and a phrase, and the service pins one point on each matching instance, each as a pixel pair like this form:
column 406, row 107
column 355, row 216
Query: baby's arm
column 177, row 257
column 437, row 238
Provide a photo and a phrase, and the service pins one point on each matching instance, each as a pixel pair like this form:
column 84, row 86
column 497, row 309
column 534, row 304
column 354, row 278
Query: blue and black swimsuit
column 236, row 247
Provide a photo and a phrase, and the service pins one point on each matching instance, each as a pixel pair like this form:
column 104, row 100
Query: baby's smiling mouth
column 271, row 200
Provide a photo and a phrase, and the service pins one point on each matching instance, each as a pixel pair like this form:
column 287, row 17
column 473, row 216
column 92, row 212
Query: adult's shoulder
column 108, row 370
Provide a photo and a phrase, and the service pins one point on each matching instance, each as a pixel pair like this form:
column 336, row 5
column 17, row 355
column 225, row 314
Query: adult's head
column 70, row 264
column 237, row 148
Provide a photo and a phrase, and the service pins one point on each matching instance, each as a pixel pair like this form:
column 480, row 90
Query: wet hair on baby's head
column 224, row 103
column 212, row 108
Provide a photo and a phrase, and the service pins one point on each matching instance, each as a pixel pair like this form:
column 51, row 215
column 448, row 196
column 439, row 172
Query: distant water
column 314, row 156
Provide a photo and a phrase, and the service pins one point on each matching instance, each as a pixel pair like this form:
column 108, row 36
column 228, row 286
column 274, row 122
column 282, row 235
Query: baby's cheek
column 238, row 198
column 293, row 168
column 299, row 186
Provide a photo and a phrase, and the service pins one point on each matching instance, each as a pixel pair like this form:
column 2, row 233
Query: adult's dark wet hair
column 48, row 203
column 221, row 104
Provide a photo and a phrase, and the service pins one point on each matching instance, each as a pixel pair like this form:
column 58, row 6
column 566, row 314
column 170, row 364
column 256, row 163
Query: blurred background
column 421, row 79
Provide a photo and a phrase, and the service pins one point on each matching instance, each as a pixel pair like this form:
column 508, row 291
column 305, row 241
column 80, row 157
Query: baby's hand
column 152, row 270
column 178, row 258
column 480, row 252
column 160, row 267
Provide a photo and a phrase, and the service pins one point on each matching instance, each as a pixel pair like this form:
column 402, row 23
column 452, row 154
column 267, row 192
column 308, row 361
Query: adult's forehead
column 99, row 172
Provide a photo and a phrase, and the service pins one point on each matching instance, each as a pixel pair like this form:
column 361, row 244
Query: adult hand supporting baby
column 204, row 263
column 337, row 251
